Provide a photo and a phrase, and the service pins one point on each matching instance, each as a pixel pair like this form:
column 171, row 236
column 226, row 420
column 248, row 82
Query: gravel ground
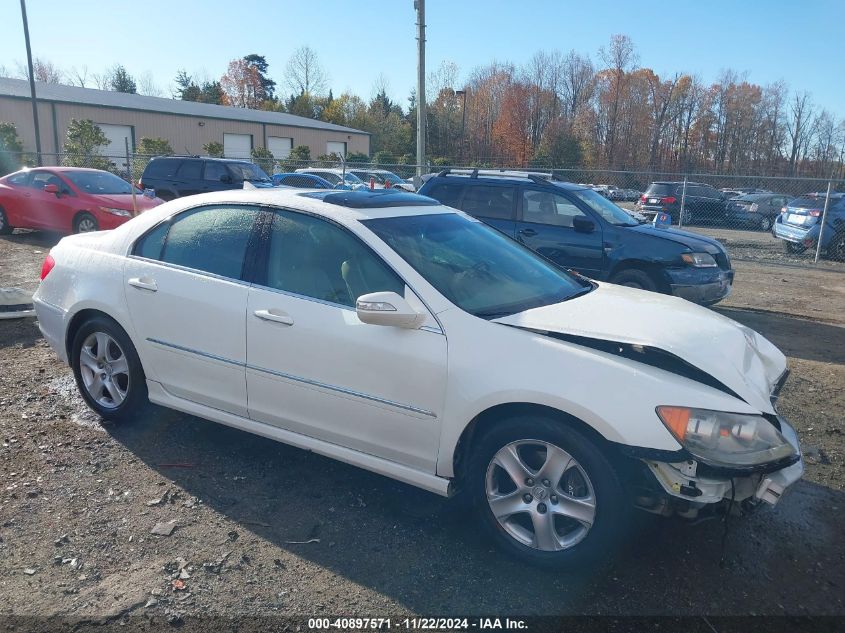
column 259, row 528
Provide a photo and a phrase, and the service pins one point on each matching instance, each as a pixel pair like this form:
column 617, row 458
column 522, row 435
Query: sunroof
column 372, row 199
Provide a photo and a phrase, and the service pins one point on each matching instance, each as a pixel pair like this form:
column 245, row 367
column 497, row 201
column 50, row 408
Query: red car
column 67, row 199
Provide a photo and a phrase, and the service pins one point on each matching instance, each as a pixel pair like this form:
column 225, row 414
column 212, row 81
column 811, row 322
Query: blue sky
column 799, row 42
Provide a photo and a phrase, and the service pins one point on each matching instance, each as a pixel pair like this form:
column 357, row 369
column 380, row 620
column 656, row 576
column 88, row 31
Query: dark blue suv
column 577, row 228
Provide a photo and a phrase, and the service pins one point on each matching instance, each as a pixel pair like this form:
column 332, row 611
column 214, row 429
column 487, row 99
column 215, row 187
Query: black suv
column 577, row 228
column 702, row 203
column 175, row 176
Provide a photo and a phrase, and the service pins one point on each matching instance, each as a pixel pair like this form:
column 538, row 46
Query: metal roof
column 19, row 88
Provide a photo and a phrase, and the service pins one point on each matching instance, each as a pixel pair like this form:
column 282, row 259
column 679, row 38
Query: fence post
column 683, row 201
column 824, row 217
column 131, row 178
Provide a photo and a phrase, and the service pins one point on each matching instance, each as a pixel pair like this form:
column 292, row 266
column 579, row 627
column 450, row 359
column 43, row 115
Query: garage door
column 335, row 147
column 279, row 146
column 237, row 145
column 116, row 148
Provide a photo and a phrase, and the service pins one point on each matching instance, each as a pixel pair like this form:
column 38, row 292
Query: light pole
column 419, row 5
column 31, row 84
column 462, row 93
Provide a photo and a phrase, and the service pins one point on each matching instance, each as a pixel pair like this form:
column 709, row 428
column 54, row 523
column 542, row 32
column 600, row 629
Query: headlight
column 121, row 212
column 699, row 260
column 754, row 208
column 726, row 439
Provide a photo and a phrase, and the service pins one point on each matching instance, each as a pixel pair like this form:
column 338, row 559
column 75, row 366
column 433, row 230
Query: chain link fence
column 772, row 219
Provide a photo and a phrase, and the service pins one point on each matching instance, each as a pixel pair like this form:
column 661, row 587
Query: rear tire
column 5, row 227
column 633, row 278
column 85, row 223
column 108, row 371
column 540, row 474
column 794, row 248
column 766, row 223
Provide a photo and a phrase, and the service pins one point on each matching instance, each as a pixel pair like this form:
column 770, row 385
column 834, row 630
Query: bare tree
column 103, row 80
column 147, row 85
column 576, row 83
column 619, row 58
column 304, row 74
column 798, row 127
column 43, row 70
column 78, row 76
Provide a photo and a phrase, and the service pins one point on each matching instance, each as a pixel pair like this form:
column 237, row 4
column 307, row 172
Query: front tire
column 108, row 371
column 5, row 227
column 544, row 493
column 634, row 278
column 85, row 223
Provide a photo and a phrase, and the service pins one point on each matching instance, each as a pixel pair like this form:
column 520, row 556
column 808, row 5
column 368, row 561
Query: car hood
column 124, row 201
column 694, row 241
column 736, row 356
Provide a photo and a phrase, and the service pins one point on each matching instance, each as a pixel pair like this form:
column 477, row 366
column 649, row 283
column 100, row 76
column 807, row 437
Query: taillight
column 783, row 209
column 47, row 266
column 643, row 198
column 140, row 184
column 668, row 200
column 814, row 213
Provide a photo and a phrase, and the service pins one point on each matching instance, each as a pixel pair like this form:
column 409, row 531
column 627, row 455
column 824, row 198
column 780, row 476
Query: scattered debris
column 311, row 540
column 184, row 575
column 151, row 603
column 29, row 571
column 61, row 540
column 161, row 500
column 178, row 585
column 164, row 528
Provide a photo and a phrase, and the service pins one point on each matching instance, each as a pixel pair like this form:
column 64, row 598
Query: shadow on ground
column 424, row 551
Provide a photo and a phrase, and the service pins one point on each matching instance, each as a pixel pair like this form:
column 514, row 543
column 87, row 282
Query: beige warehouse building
column 187, row 125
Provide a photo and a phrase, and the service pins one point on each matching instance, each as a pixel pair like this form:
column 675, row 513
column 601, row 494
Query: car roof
column 502, row 175
column 216, row 159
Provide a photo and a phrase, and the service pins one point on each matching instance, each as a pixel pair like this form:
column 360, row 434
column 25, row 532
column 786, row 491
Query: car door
column 46, row 210
column 314, row 368
column 187, row 300
column 494, row 204
column 15, row 198
column 546, row 225
column 216, row 176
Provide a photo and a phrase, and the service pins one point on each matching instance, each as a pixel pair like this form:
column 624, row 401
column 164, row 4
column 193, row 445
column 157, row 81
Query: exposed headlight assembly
column 726, row 439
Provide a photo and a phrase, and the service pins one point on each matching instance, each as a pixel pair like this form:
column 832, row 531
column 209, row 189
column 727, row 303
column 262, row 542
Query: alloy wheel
column 540, row 495
column 104, row 369
column 86, row 225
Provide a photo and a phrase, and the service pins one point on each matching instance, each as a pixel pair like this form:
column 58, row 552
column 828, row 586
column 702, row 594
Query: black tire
column 5, row 227
column 612, row 507
column 635, row 278
column 135, row 401
column 766, row 223
column 794, row 248
column 836, row 248
column 83, row 221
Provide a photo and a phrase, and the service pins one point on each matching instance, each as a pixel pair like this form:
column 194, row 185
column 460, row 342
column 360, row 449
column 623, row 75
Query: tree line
column 559, row 109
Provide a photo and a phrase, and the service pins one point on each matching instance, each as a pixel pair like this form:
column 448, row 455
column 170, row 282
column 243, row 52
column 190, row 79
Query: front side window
column 610, row 211
column 248, row 171
column 210, row 239
column 42, row 178
column 20, row 179
column 315, row 258
column 475, row 266
column 447, row 193
column 332, row 178
column 489, row 202
column 544, row 207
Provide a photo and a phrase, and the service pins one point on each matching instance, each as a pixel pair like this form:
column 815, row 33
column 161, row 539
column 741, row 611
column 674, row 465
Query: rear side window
column 448, row 193
column 191, row 170
column 210, row 239
column 489, row 202
column 19, row 179
column 331, row 177
column 161, row 168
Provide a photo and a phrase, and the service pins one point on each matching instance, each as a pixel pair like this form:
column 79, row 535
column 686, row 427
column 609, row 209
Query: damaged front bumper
column 690, row 489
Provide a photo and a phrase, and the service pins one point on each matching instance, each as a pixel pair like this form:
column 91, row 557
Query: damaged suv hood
column 737, row 357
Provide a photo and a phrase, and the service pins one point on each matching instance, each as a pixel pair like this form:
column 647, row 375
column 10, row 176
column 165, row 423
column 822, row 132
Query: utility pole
column 419, row 5
column 31, row 84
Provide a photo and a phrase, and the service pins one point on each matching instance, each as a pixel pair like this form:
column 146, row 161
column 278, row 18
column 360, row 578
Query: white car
column 391, row 332
column 382, row 178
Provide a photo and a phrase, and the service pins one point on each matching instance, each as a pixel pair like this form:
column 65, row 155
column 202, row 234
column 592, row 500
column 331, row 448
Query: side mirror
column 52, row 188
column 583, row 225
column 387, row 308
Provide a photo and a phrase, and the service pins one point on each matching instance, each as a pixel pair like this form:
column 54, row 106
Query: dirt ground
column 264, row 529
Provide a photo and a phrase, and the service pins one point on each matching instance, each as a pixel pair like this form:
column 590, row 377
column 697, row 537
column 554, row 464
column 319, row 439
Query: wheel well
column 487, row 419
column 654, row 271
column 78, row 320
column 77, row 215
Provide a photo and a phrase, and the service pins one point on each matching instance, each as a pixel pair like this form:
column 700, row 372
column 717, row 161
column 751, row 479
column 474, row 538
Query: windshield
column 98, row 182
column 352, row 179
column 475, row 266
column 248, row 171
column 611, row 212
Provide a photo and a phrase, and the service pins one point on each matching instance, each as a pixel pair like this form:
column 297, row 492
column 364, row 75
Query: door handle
column 527, row 232
column 144, row 283
column 277, row 316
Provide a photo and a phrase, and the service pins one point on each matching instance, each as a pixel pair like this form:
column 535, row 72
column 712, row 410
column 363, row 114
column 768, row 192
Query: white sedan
column 390, row 332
